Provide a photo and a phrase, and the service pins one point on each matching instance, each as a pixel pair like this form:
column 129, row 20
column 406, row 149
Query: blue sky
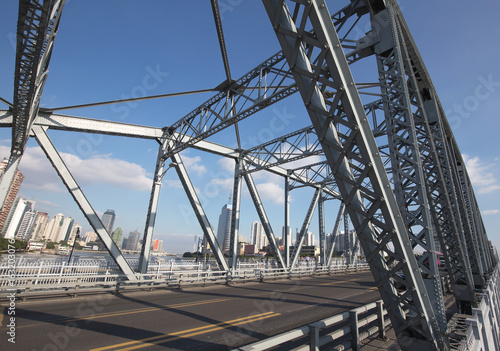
column 118, row 49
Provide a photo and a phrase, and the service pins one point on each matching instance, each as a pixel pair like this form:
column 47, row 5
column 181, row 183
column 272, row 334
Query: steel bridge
column 388, row 153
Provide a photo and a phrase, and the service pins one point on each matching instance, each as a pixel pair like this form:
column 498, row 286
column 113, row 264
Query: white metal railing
column 484, row 325
column 47, row 278
column 345, row 331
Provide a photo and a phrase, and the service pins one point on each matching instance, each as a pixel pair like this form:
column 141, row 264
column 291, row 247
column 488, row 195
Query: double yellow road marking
column 160, row 339
column 339, row 281
column 140, row 310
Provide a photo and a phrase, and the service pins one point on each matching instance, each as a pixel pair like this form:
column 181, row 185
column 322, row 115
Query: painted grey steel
column 220, row 35
column 37, row 27
column 312, row 82
column 429, row 118
column 264, row 220
column 466, row 234
column 321, row 228
column 474, row 246
column 199, row 211
column 287, row 148
column 297, row 248
column 235, row 216
column 79, row 197
column 249, row 94
column 358, row 172
column 152, row 210
column 286, row 225
column 348, row 245
column 335, row 232
column 407, row 173
column 448, row 224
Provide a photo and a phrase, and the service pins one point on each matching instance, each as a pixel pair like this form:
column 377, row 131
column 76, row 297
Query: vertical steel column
column 199, row 212
column 335, row 232
column 321, row 220
column 347, row 240
column 263, row 217
column 354, row 158
column 152, row 209
column 287, row 222
column 235, row 216
column 406, row 164
column 82, row 202
column 305, row 226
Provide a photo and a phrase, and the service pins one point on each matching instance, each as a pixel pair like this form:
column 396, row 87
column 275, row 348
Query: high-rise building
column 27, row 223
column 224, row 228
column 21, row 219
column 74, row 233
column 133, row 240
column 257, row 236
column 65, row 230
column 309, row 239
column 124, row 243
column 41, row 221
column 11, row 195
column 90, row 237
column 54, row 227
column 108, row 220
column 117, row 236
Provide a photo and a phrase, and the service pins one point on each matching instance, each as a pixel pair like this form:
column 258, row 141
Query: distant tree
column 18, row 244
column 188, row 254
column 78, row 246
column 50, row 245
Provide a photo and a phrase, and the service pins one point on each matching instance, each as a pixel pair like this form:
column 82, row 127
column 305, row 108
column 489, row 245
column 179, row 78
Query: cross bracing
column 383, row 152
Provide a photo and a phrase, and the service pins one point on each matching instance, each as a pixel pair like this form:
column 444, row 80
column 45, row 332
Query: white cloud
column 107, row 170
column 47, row 203
column 271, row 191
column 226, row 164
column 176, row 184
column 40, row 175
column 490, row 212
column 37, row 170
column 480, row 175
column 220, row 185
column 192, row 164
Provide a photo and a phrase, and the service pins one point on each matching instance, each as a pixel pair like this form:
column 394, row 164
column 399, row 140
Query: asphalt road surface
column 210, row 318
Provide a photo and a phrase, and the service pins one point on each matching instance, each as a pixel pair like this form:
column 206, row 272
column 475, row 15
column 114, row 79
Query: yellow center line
column 113, row 314
column 340, row 281
column 155, row 340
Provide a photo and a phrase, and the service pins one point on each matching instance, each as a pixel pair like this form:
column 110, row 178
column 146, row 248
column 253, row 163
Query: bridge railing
column 341, row 332
column 484, row 326
column 47, row 279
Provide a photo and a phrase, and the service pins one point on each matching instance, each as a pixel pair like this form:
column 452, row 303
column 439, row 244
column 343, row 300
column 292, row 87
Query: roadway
column 209, row 318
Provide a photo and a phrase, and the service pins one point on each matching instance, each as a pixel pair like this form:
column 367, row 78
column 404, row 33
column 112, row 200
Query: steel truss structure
column 390, row 160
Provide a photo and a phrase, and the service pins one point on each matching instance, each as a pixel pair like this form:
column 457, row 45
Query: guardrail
column 483, row 326
column 72, row 280
column 340, row 332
